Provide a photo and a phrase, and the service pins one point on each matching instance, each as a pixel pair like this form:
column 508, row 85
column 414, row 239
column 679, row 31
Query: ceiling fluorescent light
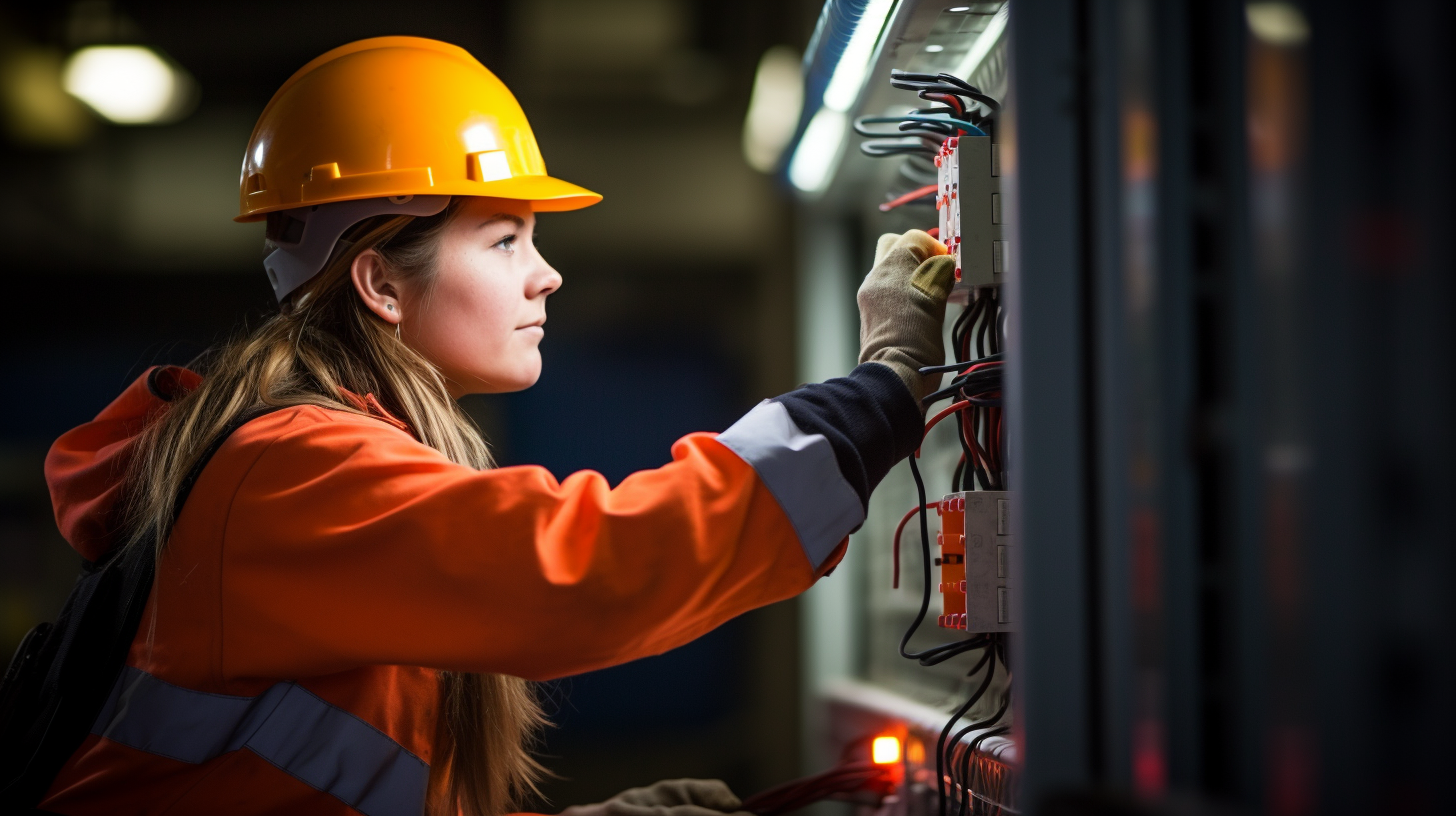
column 849, row 73
column 818, row 150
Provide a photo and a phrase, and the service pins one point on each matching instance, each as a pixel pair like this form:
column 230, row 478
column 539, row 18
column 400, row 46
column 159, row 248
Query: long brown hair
column 323, row 343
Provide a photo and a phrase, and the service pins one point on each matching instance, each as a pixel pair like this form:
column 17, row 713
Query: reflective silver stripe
column 323, row 746
column 800, row 470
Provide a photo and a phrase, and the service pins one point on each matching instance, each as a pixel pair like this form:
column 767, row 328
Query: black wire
column 930, row 134
column 877, row 150
column 966, row 452
column 990, row 374
column 954, row 741
column 975, row 746
column 1001, row 328
column 964, row 88
column 941, row 87
column 964, row 321
column 956, row 387
column 970, row 753
column 956, row 366
column 950, row 724
column 953, row 650
column 956, row 483
column 995, row 327
column 969, row 90
column 924, row 566
column 980, row 329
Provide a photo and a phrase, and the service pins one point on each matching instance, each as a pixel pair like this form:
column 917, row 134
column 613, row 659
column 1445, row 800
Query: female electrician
column 345, row 608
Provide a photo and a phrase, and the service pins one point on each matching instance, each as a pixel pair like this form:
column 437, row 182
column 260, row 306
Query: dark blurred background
column 676, row 314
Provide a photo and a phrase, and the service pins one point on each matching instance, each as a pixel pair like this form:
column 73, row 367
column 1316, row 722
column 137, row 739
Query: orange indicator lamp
column 885, row 750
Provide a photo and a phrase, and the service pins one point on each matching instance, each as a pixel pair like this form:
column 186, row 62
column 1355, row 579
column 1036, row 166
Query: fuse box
column 976, row 583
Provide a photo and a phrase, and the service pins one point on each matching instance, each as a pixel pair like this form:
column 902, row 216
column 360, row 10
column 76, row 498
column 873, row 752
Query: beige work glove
column 902, row 308
column 670, row 797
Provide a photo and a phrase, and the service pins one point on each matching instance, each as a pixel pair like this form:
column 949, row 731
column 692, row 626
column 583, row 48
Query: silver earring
column 389, row 306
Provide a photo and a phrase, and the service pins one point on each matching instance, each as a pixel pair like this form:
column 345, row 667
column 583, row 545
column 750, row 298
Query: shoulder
column 299, row 444
column 313, row 419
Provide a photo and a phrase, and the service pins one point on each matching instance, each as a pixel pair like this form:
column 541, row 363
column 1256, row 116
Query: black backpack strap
column 62, row 676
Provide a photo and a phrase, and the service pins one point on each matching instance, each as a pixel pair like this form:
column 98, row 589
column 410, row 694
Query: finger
column 919, row 244
column 884, row 245
column 712, row 793
column 709, row 793
column 935, row 276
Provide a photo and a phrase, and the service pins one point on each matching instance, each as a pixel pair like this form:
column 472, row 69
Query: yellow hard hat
column 395, row 116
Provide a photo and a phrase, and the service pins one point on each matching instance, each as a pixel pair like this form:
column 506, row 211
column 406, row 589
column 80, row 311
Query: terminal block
column 968, row 201
column 975, row 561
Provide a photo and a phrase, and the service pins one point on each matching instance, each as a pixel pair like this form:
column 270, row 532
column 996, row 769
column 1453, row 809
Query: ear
column 372, row 283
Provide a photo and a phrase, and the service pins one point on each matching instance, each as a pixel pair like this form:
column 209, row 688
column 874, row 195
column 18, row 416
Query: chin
column 507, row 382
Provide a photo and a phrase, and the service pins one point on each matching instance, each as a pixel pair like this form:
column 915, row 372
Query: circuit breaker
column 976, row 582
column 968, row 203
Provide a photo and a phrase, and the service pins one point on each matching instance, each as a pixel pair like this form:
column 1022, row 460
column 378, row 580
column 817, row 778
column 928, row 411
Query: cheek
column 466, row 314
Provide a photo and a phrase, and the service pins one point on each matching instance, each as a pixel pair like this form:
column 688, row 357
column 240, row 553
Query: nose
column 543, row 280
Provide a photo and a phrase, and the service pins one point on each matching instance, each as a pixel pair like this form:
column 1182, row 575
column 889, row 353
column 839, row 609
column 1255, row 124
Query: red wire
column 938, row 417
column 900, row 528
column 968, row 431
column 909, row 197
column 973, row 439
column 798, row 793
column 948, row 100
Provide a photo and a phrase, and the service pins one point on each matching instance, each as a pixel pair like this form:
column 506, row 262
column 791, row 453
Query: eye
column 508, row 243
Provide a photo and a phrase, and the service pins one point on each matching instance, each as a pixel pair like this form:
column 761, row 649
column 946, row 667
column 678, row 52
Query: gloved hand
column 670, row 797
column 902, row 307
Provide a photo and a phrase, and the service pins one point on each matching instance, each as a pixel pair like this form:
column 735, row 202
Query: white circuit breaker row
column 968, row 204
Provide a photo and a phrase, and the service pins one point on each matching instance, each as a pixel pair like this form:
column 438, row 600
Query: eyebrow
column 514, row 219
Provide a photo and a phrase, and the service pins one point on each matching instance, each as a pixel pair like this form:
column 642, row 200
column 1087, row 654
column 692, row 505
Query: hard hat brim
column 546, row 194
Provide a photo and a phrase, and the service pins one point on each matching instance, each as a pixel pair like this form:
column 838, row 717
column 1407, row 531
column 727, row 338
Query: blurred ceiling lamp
column 818, row 151
column 1277, row 23
column 128, row 84
column 38, row 111
column 773, row 108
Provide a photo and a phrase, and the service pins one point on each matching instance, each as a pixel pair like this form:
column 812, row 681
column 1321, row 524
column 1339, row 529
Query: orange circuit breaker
column 975, row 561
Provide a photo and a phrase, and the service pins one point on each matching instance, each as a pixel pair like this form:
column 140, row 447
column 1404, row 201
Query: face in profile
column 480, row 316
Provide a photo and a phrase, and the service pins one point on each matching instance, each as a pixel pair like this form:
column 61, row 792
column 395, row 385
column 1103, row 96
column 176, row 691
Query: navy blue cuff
column 870, row 419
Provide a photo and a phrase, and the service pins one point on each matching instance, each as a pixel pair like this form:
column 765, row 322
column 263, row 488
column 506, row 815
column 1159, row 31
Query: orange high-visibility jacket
column 327, row 564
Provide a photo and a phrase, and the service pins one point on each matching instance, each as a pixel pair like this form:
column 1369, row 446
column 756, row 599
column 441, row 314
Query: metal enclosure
column 1231, row 358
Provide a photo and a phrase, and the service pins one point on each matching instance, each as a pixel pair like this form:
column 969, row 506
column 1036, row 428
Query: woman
column 346, row 605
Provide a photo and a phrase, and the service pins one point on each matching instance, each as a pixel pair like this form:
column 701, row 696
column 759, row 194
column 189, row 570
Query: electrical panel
column 936, row 622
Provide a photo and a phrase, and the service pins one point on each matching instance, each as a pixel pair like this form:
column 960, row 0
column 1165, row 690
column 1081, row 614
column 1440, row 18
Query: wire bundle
column 842, row 781
column 980, row 330
column 952, row 753
column 960, row 109
column 975, row 389
column 977, row 338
